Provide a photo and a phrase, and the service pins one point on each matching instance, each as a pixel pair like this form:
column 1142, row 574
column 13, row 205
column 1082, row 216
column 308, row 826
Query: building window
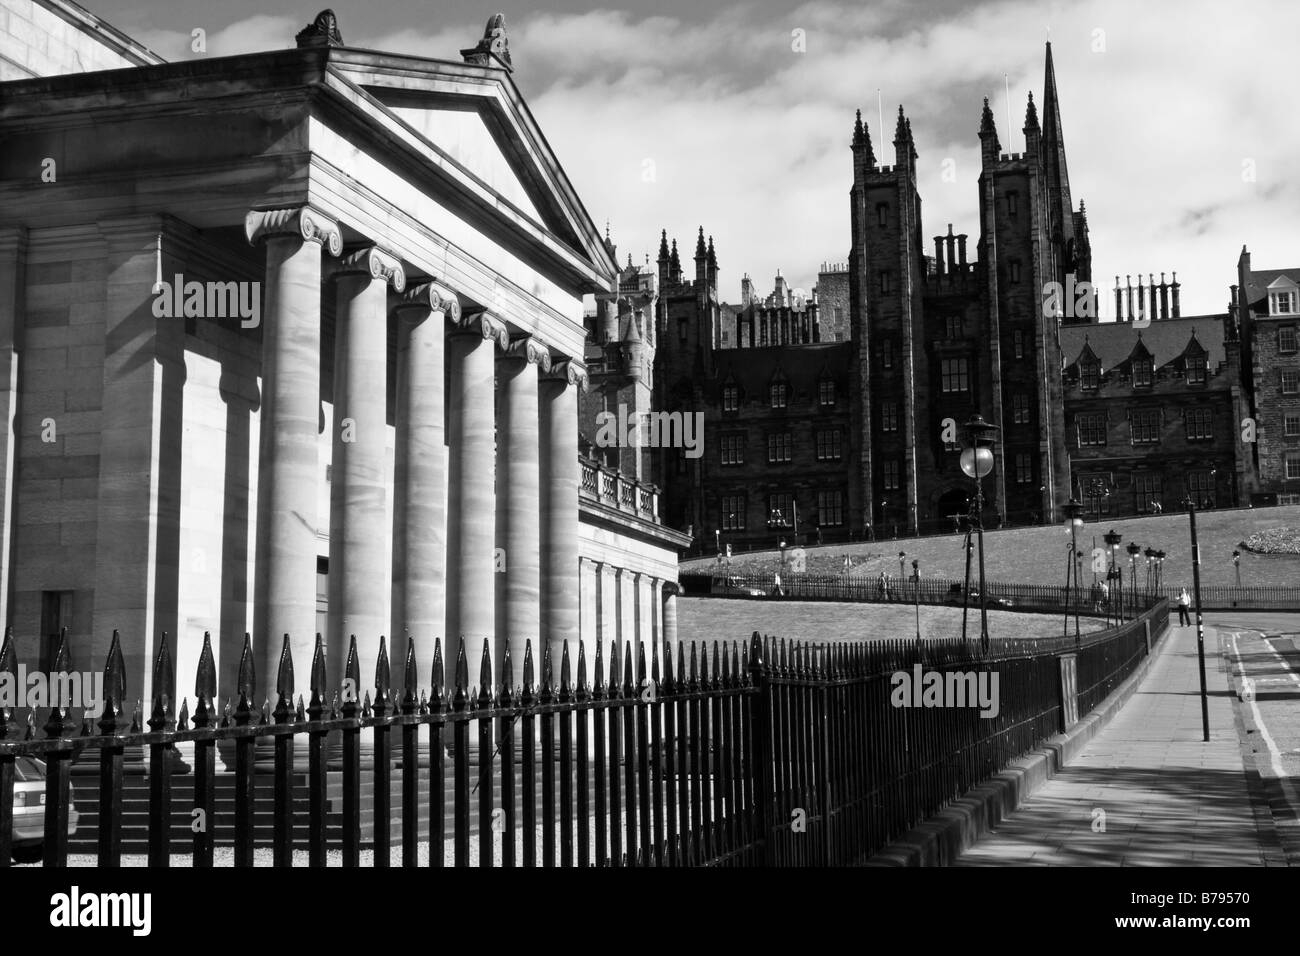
column 1015, row 270
column 826, row 391
column 1092, row 429
column 830, row 508
column 1089, row 374
column 1018, row 343
column 1286, row 338
column 828, row 445
column 731, row 398
column 891, row 476
column 681, row 330
column 733, row 449
column 733, row 513
column 1146, row 491
column 1196, row 369
column 954, row 375
column 1020, row 409
column 1013, row 204
column 1291, row 424
column 1200, row 424
column 1142, row 372
column 1200, row 488
column 886, row 353
column 1024, row 468
column 1145, row 426
column 954, row 326
column 781, row 510
column 1282, row 303
column 886, row 282
column 779, row 447
column 882, row 214
column 1292, row 465
column 1290, row 381
column 889, row 416
column 777, row 394
column 1095, row 490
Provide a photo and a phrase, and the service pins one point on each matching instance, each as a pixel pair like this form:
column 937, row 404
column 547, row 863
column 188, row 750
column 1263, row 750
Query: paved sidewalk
column 1165, row 797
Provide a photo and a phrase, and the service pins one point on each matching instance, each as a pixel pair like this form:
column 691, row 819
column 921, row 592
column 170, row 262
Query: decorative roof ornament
column 493, row 46
column 323, row 31
column 1031, row 113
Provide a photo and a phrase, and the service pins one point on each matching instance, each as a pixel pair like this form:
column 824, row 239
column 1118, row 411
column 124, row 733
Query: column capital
column 369, row 260
column 486, row 325
column 671, row 589
column 431, row 297
column 531, row 351
column 302, row 221
column 569, row 371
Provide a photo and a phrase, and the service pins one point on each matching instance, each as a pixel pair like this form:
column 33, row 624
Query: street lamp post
column 1073, row 521
column 1134, row 549
column 1200, row 621
column 1236, row 563
column 1160, row 572
column 1114, row 578
column 901, row 578
column 916, row 592
column 1150, row 555
column 977, row 462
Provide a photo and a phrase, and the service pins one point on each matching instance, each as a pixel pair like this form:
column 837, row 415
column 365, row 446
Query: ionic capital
column 488, row 326
column 368, row 260
column 531, row 351
column 301, row 221
column 570, row 372
column 431, row 297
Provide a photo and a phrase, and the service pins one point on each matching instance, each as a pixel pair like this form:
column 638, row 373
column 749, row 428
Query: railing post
column 761, row 765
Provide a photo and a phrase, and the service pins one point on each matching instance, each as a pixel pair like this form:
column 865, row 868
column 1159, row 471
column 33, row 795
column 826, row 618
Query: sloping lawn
column 1037, row 555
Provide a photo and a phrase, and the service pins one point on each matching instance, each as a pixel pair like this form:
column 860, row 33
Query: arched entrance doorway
column 953, row 505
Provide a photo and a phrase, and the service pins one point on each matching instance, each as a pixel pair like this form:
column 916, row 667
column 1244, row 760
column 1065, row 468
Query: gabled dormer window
column 1143, row 372
column 731, row 398
column 1284, row 302
column 1196, row 369
column 778, row 394
column 826, row 392
column 1089, row 373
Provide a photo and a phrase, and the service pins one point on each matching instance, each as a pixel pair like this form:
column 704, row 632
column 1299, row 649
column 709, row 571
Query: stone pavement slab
column 1147, row 791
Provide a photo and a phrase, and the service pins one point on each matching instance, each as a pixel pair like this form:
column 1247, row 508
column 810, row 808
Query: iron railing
column 773, row 753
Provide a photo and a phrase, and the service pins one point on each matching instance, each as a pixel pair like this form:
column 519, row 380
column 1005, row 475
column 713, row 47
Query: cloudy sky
column 1179, row 115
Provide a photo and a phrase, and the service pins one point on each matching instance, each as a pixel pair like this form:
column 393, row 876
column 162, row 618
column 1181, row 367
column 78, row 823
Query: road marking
column 1275, row 755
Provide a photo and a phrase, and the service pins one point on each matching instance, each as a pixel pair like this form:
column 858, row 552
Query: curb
column 945, row 836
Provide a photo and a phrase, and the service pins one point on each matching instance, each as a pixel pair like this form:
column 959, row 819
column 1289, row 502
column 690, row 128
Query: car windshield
column 28, row 769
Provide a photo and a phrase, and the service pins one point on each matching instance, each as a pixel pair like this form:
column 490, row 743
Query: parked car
column 29, row 810
column 735, row 585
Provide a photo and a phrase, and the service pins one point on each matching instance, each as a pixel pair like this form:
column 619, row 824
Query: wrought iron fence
column 773, row 752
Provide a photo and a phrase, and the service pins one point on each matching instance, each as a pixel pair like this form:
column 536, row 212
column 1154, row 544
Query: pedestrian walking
column 1184, row 602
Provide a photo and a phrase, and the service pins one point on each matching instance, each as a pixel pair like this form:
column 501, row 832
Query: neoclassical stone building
column 292, row 342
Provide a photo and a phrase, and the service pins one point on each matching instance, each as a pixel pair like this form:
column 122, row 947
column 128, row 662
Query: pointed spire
column 987, row 126
column 1031, row 113
column 700, row 251
column 1060, row 212
column 674, row 260
column 712, row 256
column 663, row 246
column 900, row 131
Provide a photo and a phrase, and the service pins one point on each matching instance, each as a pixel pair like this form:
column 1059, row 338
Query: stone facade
column 53, row 37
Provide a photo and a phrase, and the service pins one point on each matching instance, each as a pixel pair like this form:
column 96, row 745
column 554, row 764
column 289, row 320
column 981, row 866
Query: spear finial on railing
column 246, row 683
column 628, row 674
column 183, row 720
column 641, row 673
column 614, row 689
column 114, row 687
column 284, row 684
column 164, row 688
column 205, row 684
column 410, row 679
column 319, row 680
column 367, row 709
column 506, row 697
column 57, row 723
column 424, row 703
column 717, row 666
column 460, row 699
column 694, row 684
column 300, row 712
column 755, row 652
column 437, row 689
column 598, row 673
column 529, row 691
column 8, row 665
column 704, row 664
column 548, row 676
column 485, row 676
column 584, row 690
column 669, row 684
column 383, row 679
column 566, row 690
column 726, row 666
column 351, row 680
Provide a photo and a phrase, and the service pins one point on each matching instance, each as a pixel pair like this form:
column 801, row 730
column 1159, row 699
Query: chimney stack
column 961, row 251
column 938, row 254
column 1177, row 311
column 951, row 240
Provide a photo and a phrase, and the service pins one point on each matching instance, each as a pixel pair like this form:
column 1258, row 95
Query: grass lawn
column 1037, row 555
column 709, row 619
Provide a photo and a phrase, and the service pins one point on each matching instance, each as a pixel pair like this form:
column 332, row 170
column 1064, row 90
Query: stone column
column 559, row 495
column 360, row 551
column 420, row 479
column 601, row 628
column 13, row 255
column 670, row 591
column 288, row 465
column 518, row 611
column 471, row 503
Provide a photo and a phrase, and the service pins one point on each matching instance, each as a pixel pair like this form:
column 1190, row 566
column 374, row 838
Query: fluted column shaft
column 670, row 616
column 420, row 479
column 518, row 612
column 287, row 521
column 471, row 525
column 559, row 473
column 360, row 549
